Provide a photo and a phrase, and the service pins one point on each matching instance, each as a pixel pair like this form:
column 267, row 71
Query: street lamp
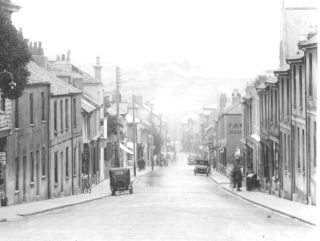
column 6, row 73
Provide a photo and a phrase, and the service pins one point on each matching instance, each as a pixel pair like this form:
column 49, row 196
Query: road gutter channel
column 20, row 216
column 262, row 205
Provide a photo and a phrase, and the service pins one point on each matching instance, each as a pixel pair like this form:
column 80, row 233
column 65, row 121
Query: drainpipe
column 308, row 164
column 72, row 154
column 49, row 145
column 292, row 143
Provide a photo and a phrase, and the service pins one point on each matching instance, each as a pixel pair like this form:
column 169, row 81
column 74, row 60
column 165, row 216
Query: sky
column 214, row 46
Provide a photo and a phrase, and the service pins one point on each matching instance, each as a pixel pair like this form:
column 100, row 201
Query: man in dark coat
column 236, row 175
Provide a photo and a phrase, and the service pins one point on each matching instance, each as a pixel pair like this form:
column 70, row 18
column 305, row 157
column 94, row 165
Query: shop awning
column 124, row 148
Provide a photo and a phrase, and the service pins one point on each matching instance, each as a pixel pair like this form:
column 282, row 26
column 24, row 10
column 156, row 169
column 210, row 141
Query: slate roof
column 57, row 86
column 283, row 68
column 86, row 106
column 233, row 109
column 272, row 80
column 261, row 86
column 91, row 100
column 310, row 41
column 297, row 23
column 87, row 78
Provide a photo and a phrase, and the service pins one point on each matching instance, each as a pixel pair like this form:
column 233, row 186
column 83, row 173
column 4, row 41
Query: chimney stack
column 97, row 69
column 68, row 55
column 236, row 96
column 37, row 53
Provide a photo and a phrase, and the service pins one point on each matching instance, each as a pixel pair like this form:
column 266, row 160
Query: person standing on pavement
column 236, row 175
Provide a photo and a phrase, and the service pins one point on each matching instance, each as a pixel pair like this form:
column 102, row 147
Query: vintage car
column 202, row 166
column 120, row 180
column 192, row 159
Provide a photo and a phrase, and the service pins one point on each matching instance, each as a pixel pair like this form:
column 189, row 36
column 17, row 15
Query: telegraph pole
column 152, row 135
column 160, row 142
column 118, row 118
column 134, row 136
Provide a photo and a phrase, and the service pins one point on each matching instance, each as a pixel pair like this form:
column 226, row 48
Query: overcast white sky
column 222, row 36
column 225, row 38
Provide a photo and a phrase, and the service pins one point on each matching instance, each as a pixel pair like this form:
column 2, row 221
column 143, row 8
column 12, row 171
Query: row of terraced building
column 279, row 131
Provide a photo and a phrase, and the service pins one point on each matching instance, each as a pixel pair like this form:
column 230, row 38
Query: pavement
column 302, row 212
column 99, row 191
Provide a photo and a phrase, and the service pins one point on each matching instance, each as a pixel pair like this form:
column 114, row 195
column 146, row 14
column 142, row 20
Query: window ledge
column 17, row 129
column 31, row 184
column 74, row 175
column 43, row 176
column 310, row 97
column 16, row 192
column 31, row 124
column 56, row 184
column 43, row 121
column 2, row 112
column 67, row 178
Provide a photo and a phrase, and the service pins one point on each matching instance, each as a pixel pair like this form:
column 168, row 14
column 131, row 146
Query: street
column 168, row 204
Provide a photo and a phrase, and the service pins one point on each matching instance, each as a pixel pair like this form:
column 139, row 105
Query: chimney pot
column 63, row 57
column 35, row 44
column 97, row 60
column 20, row 32
column 58, row 57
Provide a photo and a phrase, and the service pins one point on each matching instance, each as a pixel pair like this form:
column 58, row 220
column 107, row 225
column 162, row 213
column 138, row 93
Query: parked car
column 120, row 180
column 192, row 159
column 202, row 166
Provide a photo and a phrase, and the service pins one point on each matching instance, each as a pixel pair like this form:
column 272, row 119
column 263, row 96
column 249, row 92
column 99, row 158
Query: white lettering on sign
column 234, row 128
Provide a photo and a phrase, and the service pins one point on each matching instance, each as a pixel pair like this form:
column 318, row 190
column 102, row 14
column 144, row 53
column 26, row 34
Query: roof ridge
column 301, row 8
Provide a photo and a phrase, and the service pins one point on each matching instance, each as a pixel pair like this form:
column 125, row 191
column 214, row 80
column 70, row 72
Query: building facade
column 310, row 48
column 228, row 134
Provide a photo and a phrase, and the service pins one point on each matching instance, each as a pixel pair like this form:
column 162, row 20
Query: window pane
column 31, row 108
column 17, row 172
column 32, row 167
column 43, row 159
column 61, row 115
column 42, row 107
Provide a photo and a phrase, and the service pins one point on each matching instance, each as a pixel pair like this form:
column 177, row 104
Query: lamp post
column 12, row 84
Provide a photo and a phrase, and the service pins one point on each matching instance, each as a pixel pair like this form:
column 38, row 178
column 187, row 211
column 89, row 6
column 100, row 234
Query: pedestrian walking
column 236, row 175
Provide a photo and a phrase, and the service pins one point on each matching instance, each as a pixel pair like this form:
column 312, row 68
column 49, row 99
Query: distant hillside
column 179, row 80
